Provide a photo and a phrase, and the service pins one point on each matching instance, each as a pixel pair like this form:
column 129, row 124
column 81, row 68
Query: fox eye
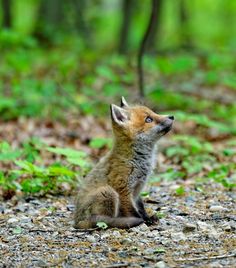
column 148, row 119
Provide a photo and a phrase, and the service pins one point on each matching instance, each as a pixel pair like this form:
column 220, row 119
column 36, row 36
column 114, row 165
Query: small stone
column 208, row 229
column 189, row 227
column 134, row 229
column 179, row 236
column 144, row 227
column 160, row 264
column 12, row 220
column 2, row 209
column 91, row 239
column 127, row 241
column 216, row 208
column 40, row 263
column 148, row 251
column 116, row 234
column 203, row 226
column 165, row 241
column 25, row 220
column 153, row 234
column 226, row 227
column 3, row 246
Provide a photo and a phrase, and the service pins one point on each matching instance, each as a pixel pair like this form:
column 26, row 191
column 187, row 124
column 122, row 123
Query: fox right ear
column 123, row 103
column 119, row 115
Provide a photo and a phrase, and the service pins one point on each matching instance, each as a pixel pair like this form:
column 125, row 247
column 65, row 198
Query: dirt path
column 195, row 230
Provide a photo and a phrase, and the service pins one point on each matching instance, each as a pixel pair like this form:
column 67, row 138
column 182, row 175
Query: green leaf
column 160, row 215
column 17, row 230
column 144, row 194
column 102, row 225
column 159, row 250
column 180, row 190
column 32, row 185
column 78, row 162
column 9, row 156
column 54, row 171
column 229, row 152
column 98, row 143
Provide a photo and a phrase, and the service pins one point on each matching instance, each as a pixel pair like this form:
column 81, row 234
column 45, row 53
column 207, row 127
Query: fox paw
column 151, row 220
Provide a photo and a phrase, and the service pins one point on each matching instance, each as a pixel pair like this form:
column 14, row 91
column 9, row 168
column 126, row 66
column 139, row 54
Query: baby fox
column 110, row 192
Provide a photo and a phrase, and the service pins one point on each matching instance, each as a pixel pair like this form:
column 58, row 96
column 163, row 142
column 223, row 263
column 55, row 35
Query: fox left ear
column 123, row 103
column 119, row 115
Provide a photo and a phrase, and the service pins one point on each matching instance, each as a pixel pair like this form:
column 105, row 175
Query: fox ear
column 119, row 115
column 123, row 103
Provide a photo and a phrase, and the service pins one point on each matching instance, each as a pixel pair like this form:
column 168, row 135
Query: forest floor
column 197, row 229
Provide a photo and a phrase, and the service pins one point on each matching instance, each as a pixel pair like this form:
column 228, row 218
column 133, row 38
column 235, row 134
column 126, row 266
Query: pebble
column 208, row 229
column 153, row 234
column 203, row 226
column 116, row 234
column 179, row 236
column 144, row 227
column 160, row 264
column 226, row 226
column 12, row 220
column 189, row 227
column 91, row 239
column 25, row 220
column 127, row 241
column 216, row 208
column 165, row 241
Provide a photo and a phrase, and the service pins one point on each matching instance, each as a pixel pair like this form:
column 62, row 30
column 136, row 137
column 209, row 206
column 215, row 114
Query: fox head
column 139, row 123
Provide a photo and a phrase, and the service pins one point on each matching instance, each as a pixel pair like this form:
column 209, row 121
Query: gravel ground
column 197, row 229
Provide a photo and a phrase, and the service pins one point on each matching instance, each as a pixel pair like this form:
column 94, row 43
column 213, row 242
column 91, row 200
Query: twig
column 42, row 230
column 115, row 265
column 151, row 25
column 209, row 258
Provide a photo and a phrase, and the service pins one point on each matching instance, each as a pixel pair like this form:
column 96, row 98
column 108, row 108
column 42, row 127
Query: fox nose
column 171, row 117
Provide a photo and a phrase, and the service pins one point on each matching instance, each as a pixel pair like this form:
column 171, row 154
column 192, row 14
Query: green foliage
column 98, row 143
column 159, row 250
column 160, row 215
column 180, row 190
column 78, row 158
column 224, row 174
column 29, row 177
column 7, row 154
column 17, row 230
column 145, row 194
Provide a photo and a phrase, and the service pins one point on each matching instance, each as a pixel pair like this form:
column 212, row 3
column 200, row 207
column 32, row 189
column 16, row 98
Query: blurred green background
column 79, row 48
column 70, row 59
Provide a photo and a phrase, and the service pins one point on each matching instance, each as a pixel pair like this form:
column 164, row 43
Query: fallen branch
column 116, row 265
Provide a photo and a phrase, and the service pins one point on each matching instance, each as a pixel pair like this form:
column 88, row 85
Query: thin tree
column 81, row 24
column 148, row 32
column 6, row 7
column 127, row 11
column 184, row 25
column 152, row 38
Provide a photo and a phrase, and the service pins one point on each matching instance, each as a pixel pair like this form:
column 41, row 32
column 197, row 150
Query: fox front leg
column 141, row 209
